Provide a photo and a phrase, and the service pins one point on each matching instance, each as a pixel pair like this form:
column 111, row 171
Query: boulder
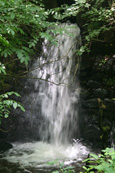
column 4, row 145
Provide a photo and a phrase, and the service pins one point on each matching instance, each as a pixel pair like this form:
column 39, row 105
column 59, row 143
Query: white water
column 59, row 105
column 57, row 101
column 39, row 154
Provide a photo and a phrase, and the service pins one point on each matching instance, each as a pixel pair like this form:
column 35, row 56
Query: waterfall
column 50, row 97
column 58, row 97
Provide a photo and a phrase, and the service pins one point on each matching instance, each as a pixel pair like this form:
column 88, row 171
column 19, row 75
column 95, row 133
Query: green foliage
column 61, row 168
column 96, row 17
column 98, row 21
column 2, row 68
column 6, row 104
column 103, row 163
column 72, row 10
column 22, row 24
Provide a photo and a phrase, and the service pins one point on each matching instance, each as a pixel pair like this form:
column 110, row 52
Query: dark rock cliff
column 97, row 99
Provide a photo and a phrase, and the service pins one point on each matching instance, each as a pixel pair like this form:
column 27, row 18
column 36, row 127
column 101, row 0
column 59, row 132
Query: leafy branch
column 6, row 104
column 103, row 163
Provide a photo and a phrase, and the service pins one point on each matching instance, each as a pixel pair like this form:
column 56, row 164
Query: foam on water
column 38, row 154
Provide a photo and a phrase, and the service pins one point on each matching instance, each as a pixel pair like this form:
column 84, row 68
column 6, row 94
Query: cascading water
column 57, row 101
column 55, row 98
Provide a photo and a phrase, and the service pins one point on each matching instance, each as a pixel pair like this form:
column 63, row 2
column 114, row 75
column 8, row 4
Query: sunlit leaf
column 15, row 105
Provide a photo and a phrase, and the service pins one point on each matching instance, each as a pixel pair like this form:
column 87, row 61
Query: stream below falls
column 35, row 157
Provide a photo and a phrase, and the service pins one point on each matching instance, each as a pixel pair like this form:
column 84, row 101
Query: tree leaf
column 15, row 105
column 6, row 115
column 94, row 156
column 21, row 107
column 12, row 15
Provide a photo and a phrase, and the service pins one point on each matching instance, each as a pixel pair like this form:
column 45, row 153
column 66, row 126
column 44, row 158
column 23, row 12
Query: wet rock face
column 97, row 120
column 4, row 146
